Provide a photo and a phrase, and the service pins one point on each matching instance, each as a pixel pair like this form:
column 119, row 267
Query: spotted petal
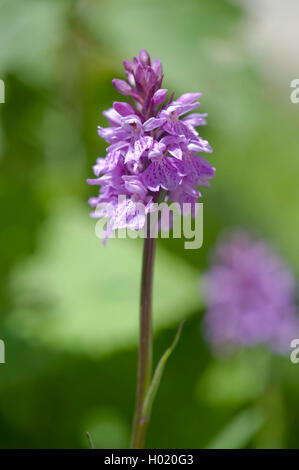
column 161, row 174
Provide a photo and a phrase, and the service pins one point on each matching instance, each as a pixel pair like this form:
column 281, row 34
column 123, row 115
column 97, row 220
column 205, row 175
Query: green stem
column 145, row 342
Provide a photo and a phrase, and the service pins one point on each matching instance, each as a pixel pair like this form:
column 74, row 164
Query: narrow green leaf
column 90, row 441
column 152, row 391
column 239, row 431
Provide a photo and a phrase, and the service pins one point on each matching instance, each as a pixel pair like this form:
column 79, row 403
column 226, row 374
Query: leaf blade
column 153, row 388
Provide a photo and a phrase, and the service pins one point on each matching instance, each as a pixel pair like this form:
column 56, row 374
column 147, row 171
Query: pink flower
column 152, row 148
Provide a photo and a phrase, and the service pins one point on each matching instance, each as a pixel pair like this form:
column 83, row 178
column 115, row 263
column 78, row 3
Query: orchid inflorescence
column 152, row 152
column 251, row 296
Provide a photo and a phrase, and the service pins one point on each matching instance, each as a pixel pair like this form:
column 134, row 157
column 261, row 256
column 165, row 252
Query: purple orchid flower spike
column 250, row 295
column 152, row 157
column 154, row 140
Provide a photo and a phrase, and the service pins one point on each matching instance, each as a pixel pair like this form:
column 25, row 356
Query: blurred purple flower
column 151, row 148
column 250, row 296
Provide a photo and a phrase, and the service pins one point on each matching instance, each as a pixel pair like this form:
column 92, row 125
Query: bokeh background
column 69, row 306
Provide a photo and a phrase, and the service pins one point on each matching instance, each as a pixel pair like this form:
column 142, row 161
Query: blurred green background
column 69, row 306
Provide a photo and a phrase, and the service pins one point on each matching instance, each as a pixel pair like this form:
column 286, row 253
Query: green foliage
column 235, row 380
column 77, row 295
column 239, row 431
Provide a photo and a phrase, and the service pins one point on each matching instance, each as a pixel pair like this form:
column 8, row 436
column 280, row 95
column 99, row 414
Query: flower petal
column 124, row 109
column 153, row 123
column 159, row 97
column 122, row 87
column 187, row 98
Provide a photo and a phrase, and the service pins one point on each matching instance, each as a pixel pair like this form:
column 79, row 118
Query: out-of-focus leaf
column 30, row 34
column 239, row 431
column 106, row 428
column 2, row 141
column 77, row 295
column 265, row 178
column 236, row 380
column 273, row 405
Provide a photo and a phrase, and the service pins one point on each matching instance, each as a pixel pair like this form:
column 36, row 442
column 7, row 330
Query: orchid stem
column 145, row 342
